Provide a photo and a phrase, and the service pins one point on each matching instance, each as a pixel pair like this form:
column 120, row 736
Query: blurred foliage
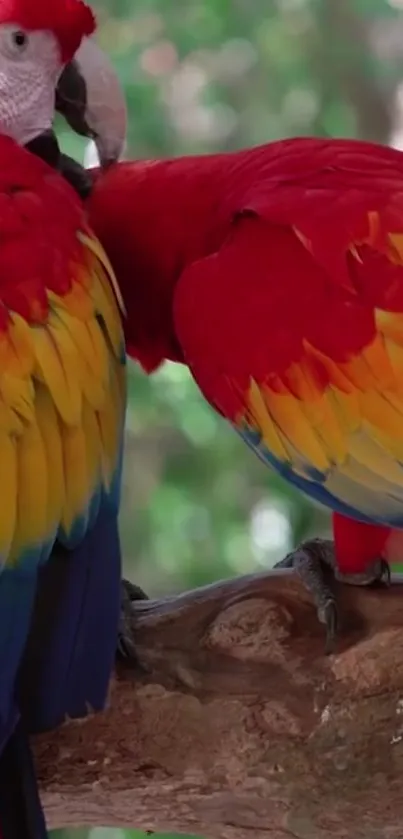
column 204, row 75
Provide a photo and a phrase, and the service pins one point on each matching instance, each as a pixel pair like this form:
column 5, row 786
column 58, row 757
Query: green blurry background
column 200, row 76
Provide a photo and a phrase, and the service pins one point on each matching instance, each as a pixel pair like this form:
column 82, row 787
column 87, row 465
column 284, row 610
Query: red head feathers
column 69, row 20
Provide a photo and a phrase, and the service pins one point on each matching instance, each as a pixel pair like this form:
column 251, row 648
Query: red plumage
column 39, row 218
column 359, row 543
column 69, row 20
column 180, row 211
column 276, row 275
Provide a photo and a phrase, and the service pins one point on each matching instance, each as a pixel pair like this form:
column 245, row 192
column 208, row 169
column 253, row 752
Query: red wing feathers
column 301, row 348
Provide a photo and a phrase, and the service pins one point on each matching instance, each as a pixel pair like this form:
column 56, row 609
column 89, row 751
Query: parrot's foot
column 126, row 649
column 377, row 574
column 315, row 563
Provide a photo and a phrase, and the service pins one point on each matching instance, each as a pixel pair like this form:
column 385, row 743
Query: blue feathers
column 17, row 593
column 20, row 810
column 21, row 814
column 72, row 643
column 315, row 487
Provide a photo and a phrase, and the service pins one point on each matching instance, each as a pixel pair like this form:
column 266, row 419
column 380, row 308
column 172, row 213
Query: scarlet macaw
column 276, row 275
column 62, row 409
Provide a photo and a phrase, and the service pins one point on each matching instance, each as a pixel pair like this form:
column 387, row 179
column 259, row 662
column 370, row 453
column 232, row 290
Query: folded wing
column 294, row 332
column 62, row 406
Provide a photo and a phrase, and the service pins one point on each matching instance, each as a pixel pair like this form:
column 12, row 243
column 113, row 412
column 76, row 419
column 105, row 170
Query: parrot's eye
column 15, row 42
column 20, row 38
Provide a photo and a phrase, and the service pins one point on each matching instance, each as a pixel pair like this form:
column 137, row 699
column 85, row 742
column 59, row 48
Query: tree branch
column 241, row 724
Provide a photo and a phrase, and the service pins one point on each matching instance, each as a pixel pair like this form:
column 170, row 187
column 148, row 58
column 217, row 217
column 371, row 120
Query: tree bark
column 240, row 725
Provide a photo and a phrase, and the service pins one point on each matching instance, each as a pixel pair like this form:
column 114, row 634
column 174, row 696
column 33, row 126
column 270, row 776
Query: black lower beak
column 71, row 99
column 71, row 102
column 47, row 148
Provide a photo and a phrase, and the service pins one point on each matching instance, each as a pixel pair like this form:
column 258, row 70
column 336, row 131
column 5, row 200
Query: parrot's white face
column 30, row 66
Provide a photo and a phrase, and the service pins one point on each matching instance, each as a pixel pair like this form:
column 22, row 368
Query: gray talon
column 132, row 592
column 377, row 574
column 126, row 647
column 330, row 617
column 312, row 561
column 384, row 577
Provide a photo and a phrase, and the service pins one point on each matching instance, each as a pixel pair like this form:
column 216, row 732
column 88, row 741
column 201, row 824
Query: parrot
column 62, row 412
column 275, row 274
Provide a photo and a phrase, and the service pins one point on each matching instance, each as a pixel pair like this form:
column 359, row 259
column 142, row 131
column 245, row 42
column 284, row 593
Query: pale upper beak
column 91, row 99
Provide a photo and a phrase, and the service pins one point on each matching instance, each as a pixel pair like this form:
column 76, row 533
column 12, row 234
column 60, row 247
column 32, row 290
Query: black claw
column 132, row 592
column 315, row 564
column 385, row 578
column 126, row 648
column 331, row 620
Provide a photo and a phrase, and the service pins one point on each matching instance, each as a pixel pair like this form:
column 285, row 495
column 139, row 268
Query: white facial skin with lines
column 30, row 65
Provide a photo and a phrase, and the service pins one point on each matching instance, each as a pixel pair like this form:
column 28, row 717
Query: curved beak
column 91, row 99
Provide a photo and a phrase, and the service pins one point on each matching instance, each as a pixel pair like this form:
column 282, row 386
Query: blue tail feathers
column 72, row 643
column 69, row 609
column 21, row 814
column 17, row 594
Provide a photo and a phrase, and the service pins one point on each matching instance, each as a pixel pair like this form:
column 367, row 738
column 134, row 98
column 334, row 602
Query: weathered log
column 240, row 725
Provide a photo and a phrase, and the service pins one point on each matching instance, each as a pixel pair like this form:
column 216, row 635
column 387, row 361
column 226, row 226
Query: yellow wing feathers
column 62, row 406
column 345, row 437
column 320, row 422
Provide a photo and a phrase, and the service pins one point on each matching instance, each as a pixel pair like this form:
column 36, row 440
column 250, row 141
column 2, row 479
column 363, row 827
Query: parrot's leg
column 126, row 649
column 315, row 563
column 356, row 544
